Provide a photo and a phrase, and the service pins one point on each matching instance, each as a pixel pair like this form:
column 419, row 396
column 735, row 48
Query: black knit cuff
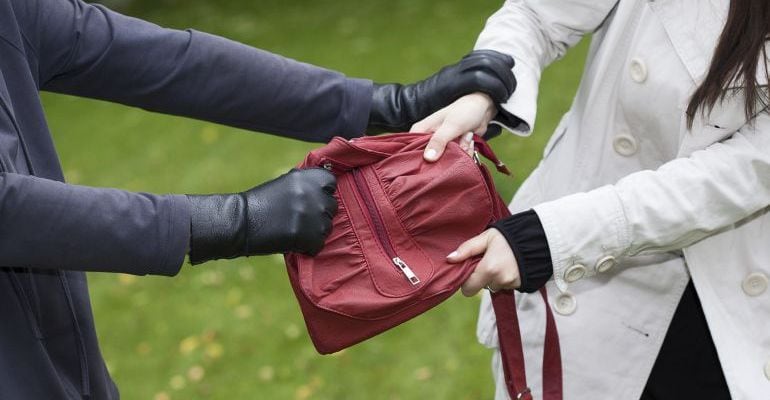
column 505, row 118
column 526, row 236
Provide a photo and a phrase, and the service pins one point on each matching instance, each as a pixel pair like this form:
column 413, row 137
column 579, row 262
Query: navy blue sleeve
column 93, row 229
column 88, row 50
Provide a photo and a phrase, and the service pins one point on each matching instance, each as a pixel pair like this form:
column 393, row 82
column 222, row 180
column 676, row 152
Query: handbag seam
column 371, row 275
column 379, row 249
column 391, row 315
column 358, row 240
column 401, row 224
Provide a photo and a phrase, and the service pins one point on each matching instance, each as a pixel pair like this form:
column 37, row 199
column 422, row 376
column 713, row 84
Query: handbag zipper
column 379, row 227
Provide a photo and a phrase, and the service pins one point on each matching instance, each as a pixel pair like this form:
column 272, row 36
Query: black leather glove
column 395, row 107
column 290, row 213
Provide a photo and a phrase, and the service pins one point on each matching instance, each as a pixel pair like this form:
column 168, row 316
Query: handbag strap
column 508, row 330
column 512, row 351
column 483, row 148
column 552, row 372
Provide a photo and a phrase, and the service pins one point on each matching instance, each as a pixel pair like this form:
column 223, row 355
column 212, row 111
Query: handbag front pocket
column 394, row 271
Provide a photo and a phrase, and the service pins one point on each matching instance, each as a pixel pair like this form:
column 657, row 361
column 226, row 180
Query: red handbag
column 384, row 261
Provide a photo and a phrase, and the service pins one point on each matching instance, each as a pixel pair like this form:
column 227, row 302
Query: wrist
column 387, row 113
column 217, row 226
column 484, row 103
column 526, row 237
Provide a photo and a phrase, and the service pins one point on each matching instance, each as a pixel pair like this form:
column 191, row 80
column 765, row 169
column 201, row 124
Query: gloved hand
column 290, row 213
column 396, row 107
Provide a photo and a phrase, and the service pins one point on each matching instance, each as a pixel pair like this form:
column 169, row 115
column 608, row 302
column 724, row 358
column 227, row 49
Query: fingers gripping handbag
column 384, row 261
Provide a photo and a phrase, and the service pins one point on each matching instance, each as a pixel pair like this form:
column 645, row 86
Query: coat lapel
column 693, row 27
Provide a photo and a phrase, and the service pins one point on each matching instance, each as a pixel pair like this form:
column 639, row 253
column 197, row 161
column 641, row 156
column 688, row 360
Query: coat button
column 565, row 304
column 625, row 144
column 574, row 273
column 755, row 284
column 605, row 264
column 767, row 370
column 637, row 70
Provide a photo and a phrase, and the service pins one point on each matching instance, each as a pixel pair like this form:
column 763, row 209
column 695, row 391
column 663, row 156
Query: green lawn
column 232, row 330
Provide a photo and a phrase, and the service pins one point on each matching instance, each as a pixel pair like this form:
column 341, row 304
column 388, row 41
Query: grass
column 232, row 330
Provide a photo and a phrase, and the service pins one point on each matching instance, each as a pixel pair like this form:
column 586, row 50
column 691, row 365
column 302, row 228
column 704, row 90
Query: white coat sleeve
column 680, row 203
column 535, row 33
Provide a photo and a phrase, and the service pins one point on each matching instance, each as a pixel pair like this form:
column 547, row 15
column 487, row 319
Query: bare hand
column 498, row 268
column 468, row 114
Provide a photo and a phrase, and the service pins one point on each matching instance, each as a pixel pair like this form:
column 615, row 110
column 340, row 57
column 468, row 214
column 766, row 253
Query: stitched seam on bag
column 488, row 191
column 391, row 315
column 358, row 240
column 366, row 260
column 408, row 233
column 335, row 161
column 477, row 169
column 370, row 151
column 380, row 249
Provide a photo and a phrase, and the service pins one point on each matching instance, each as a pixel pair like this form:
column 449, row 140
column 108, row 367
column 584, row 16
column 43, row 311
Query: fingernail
column 452, row 254
column 430, row 154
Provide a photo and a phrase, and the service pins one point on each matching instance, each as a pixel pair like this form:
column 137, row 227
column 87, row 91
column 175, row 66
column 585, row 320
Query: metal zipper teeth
column 379, row 227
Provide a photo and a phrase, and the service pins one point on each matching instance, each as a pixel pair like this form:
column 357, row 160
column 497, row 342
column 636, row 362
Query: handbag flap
column 348, row 154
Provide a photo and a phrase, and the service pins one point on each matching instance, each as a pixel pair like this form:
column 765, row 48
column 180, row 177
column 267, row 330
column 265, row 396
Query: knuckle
column 299, row 192
column 493, row 270
column 306, row 215
column 440, row 136
column 326, row 229
column 294, row 231
column 507, row 281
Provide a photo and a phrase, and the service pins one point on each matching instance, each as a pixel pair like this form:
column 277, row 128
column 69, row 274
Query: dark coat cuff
column 526, row 236
column 506, row 119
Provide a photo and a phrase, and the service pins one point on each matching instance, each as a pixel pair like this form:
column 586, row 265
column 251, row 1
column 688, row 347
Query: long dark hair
column 740, row 51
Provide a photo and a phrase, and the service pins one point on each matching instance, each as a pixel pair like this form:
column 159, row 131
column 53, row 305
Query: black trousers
column 687, row 366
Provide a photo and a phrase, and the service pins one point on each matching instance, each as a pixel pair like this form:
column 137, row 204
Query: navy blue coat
column 51, row 231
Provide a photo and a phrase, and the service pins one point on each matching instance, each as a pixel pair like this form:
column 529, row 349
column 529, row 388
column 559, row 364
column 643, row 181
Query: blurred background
column 232, row 329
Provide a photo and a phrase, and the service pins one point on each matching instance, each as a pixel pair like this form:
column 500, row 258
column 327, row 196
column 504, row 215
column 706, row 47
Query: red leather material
column 384, row 261
column 426, row 210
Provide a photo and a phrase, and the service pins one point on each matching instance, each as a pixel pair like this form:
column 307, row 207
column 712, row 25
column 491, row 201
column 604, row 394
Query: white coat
column 632, row 202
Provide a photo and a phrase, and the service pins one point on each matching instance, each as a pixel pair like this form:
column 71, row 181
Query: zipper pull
column 483, row 148
column 406, row 271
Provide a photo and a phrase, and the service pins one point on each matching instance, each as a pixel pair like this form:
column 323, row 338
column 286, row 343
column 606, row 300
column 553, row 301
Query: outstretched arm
column 52, row 225
column 534, row 33
column 681, row 203
column 88, row 50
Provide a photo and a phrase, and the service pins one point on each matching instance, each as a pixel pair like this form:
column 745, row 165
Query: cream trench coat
column 632, row 202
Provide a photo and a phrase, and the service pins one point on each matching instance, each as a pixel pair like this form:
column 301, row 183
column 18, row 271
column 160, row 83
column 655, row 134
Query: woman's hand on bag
column 467, row 115
column 498, row 268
